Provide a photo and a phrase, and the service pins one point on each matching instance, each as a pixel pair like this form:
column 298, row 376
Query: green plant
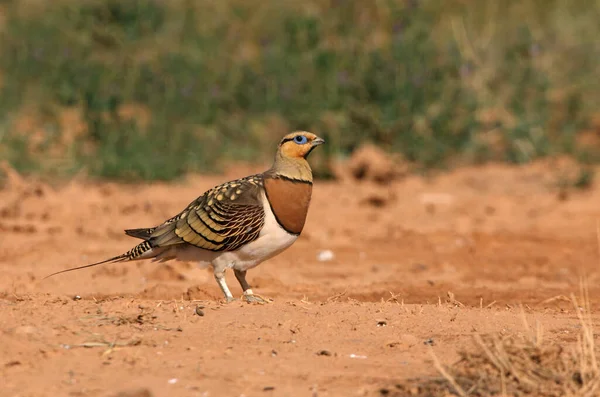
column 440, row 83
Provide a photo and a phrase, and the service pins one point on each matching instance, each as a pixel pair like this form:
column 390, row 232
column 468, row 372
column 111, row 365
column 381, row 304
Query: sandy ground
column 382, row 276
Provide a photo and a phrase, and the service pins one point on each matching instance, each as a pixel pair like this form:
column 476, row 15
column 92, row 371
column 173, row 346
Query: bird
column 238, row 224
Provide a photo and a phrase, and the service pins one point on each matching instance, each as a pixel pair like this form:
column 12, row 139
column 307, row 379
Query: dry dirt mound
column 371, row 163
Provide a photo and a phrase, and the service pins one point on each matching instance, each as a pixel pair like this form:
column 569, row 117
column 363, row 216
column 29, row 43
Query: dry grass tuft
column 520, row 365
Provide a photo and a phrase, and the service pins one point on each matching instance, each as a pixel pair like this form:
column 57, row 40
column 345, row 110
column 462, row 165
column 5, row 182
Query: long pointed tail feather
column 136, row 252
column 120, row 258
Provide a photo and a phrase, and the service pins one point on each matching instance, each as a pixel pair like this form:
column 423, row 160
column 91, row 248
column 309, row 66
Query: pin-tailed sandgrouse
column 239, row 224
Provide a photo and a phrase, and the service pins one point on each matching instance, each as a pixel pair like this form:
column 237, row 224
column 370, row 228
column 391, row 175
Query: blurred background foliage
column 152, row 89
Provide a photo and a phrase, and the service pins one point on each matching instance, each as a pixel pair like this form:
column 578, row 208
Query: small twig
column 133, row 342
column 446, row 375
column 452, row 299
column 490, row 305
column 305, row 300
column 393, row 298
column 556, row 298
column 335, row 297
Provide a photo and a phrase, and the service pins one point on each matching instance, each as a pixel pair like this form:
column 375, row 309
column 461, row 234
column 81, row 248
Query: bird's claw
column 255, row 298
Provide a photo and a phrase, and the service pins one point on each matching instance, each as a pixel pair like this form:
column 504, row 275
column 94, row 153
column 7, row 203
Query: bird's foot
column 230, row 299
column 255, row 298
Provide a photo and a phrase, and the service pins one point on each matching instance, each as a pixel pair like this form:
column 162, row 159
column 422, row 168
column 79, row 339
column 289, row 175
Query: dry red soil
column 501, row 240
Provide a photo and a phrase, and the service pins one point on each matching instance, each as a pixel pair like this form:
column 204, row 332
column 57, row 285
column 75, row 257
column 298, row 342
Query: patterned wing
column 223, row 219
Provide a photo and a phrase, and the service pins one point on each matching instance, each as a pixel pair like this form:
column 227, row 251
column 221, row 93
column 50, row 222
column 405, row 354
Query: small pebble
column 325, row 255
column 381, row 323
column 199, row 310
column 324, row 353
column 77, row 298
column 173, row 381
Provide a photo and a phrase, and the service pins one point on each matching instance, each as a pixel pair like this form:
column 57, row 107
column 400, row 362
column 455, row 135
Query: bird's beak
column 318, row 141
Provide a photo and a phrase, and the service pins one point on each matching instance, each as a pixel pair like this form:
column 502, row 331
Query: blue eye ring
column 300, row 139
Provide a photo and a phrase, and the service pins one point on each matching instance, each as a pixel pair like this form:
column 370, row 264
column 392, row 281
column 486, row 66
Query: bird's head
column 299, row 144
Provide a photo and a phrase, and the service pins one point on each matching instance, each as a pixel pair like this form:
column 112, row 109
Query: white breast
column 272, row 240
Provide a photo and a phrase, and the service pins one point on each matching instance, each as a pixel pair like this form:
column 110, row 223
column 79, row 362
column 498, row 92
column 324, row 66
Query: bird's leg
column 220, row 277
column 249, row 296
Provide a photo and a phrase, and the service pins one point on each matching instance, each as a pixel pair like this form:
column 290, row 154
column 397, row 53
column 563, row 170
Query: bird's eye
column 300, row 139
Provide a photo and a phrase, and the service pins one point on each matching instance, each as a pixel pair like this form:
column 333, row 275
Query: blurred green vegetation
column 151, row 89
